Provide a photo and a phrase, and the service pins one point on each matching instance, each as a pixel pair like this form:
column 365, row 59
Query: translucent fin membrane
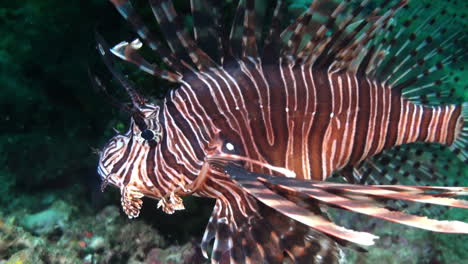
column 460, row 146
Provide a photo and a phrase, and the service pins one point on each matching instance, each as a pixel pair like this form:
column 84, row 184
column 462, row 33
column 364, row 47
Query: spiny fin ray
column 250, row 184
column 165, row 13
column 127, row 11
column 129, row 52
column 371, row 209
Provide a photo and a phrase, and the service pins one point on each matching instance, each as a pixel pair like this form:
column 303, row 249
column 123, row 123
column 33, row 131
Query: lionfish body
column 261, row 129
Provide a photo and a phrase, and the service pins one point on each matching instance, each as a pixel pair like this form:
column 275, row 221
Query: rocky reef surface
column 58, row 228
column 61, row 234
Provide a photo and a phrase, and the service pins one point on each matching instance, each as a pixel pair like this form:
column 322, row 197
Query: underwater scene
column 233, row 131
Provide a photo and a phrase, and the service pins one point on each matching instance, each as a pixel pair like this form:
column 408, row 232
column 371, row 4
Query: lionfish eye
column 147, row 134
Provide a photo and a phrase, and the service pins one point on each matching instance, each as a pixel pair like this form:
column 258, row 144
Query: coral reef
column 107, row 237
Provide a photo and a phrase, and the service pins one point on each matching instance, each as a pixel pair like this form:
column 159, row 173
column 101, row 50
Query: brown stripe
column 150, row 164
column 320, row 123
column 426, row 120
column 124, row 157
column 394, row 119
column 439, row 122
column 363, row 116
column 380, row 96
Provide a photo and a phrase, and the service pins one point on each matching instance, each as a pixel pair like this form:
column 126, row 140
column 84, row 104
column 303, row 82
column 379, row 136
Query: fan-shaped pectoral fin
column 249, row 226
column 171, row 203
column 283, row 193
column 250, row 182
column 131, row 200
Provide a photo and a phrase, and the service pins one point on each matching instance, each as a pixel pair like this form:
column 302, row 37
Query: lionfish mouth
column 106, row 178
column 102, row 172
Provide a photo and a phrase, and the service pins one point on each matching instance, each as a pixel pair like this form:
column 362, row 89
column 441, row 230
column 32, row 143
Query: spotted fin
column 420, row 47
column 460, row 145
column 412, row 164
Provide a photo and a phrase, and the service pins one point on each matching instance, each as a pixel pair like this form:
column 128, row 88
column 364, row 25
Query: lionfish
column 265, row 112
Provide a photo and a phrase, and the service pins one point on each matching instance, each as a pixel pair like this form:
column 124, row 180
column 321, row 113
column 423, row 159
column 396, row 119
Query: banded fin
column 236, row 33
column 262, row 235
column 351, row 198
column 342, row 40
column 297, row 30
column 129, row 52
column 127, row 11
column 131, row 201
column 208, row 29
column 422, row 194
column 272, row 44
column 171, row 25
column 283, row 195
column 356, row 29
column 99, row 86
column 245, row 31
column 249, row 40
column 104, row 50
column 248, row 181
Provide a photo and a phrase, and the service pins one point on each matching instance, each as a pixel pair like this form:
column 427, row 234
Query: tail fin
column 460, row 145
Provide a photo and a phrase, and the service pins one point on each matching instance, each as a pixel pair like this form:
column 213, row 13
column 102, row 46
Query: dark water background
column 51, row 119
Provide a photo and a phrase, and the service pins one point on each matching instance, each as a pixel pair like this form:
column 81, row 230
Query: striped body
column 312, row 123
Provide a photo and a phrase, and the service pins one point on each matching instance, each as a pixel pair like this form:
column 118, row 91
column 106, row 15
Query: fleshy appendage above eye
column 147, row 126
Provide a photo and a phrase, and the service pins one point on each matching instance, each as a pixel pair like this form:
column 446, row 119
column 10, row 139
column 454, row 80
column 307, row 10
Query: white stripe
column 310, row 123
column 267, row 110
column 431, row 129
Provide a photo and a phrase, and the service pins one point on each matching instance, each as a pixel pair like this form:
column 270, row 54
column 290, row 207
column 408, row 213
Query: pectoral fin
column 288, row 196
column 249, row 182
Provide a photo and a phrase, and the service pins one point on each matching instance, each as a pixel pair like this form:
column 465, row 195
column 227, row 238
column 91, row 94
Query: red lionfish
column 265, row 113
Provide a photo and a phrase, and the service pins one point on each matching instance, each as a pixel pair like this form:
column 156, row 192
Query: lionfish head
column 123, row 150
